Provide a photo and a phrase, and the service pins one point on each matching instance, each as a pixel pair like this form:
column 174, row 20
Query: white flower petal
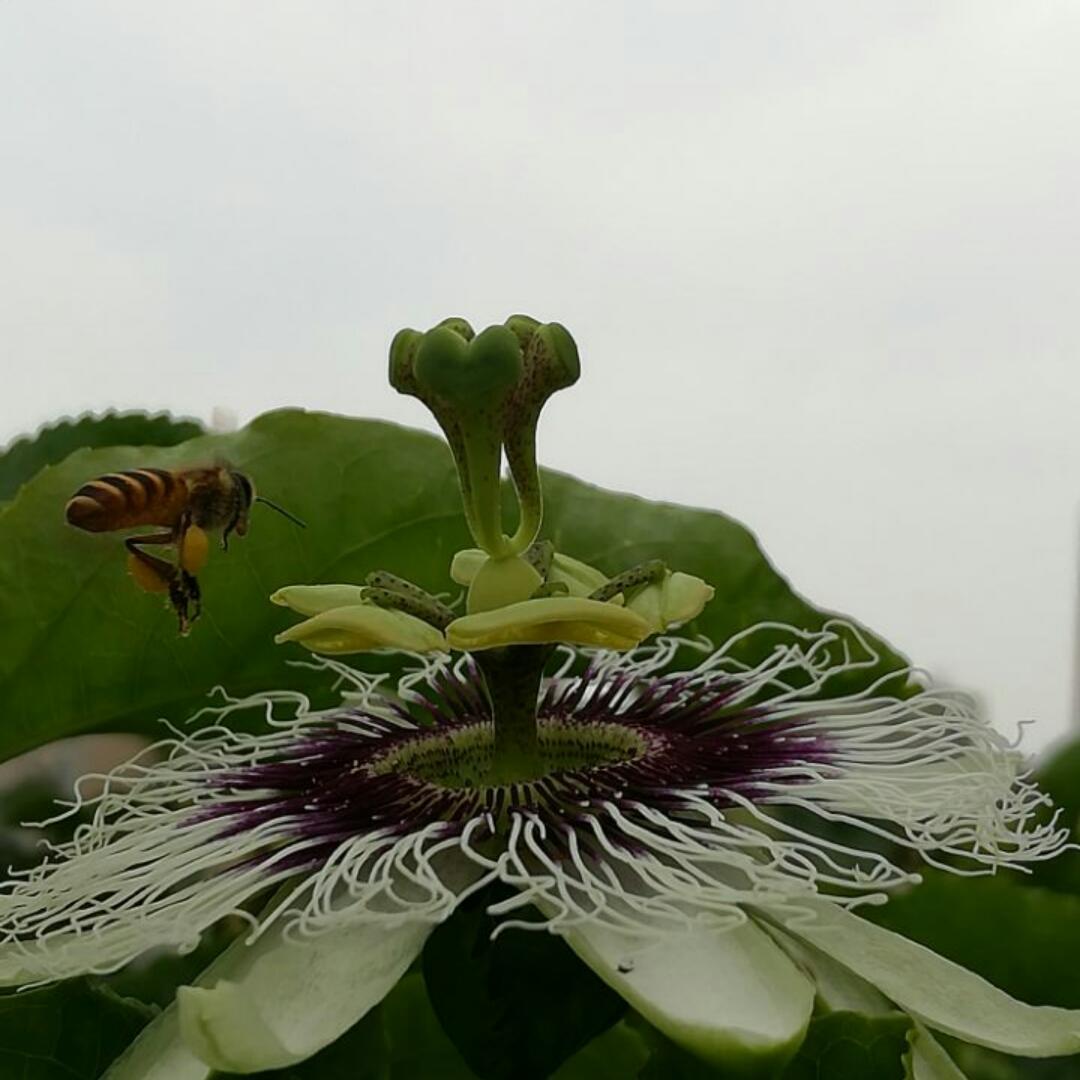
column 929, row 1061
column 942, row 994
column 279, row 1000
column 27, row 963
column 731, row 997
column 159, row 1053
column 65, row 955
column 838, row 989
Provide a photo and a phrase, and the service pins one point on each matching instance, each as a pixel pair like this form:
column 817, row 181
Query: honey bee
column 186, row 503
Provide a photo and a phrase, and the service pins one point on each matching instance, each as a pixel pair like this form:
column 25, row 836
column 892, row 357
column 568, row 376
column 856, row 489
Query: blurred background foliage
column 82, row 651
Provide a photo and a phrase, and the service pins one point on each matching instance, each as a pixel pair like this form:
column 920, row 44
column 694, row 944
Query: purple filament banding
column 686, row 742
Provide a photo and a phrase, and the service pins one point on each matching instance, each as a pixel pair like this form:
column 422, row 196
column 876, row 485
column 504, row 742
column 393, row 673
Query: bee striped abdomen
column 122, row 500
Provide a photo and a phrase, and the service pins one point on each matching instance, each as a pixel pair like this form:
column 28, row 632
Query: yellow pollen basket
column 194, row 549
column 146, row 577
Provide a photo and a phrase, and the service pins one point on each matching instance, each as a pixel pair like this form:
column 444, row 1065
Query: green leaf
column 667, row 1061
column 66, row 1032
column 614, row 531
column 978, row 1063
column 849, row 1046
column 26, row 456
column 618, row 1054
column 518, row 1006
column 81, row 649
column 1059, row 777
column 418, row 1046
column 1023, row 939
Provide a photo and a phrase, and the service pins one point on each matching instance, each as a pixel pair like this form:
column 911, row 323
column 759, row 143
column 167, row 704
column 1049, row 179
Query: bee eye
column 246, row 487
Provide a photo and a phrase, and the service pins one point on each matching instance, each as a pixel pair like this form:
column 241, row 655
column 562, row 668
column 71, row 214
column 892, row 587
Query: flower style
column 700, row 826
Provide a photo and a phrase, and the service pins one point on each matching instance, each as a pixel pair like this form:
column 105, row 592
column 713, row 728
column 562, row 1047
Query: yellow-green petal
column 500, row 581
column 675, row 599
column 363, row 627
column 465, row 564
column 580, row 578
column 315, row 599
column 568, row 619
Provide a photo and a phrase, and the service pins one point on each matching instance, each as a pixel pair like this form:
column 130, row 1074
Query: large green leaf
column 618, row 1054
column 1022, row 938
column 65, row 1032
column 26, row 456
column 417, row 1045
column 1059, row 777
column 81, row 649
column 518, row 1005
column 978, row 1063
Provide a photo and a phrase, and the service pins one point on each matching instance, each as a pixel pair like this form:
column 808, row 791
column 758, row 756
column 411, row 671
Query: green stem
column 512, row 676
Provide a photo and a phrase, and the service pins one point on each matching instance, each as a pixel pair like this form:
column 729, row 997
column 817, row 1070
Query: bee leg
column 158, row 575
column 185, row 597
column 150, row 573
column 194, row 594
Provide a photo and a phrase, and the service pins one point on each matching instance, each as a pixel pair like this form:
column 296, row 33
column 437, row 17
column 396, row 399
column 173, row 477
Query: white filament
column 927, row 773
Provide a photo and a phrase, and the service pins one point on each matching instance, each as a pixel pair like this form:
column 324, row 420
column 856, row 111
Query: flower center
column 462, row 758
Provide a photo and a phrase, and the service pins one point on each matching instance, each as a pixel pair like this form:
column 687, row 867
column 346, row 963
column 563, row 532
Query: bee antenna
column 281, row 510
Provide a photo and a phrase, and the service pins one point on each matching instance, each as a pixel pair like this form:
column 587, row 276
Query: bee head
column 245, row 496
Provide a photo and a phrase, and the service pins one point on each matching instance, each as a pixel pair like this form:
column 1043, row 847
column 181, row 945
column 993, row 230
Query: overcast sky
column 822, row 260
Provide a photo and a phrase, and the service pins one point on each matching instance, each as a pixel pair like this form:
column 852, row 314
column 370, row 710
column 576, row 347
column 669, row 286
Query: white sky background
column 821, row 260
